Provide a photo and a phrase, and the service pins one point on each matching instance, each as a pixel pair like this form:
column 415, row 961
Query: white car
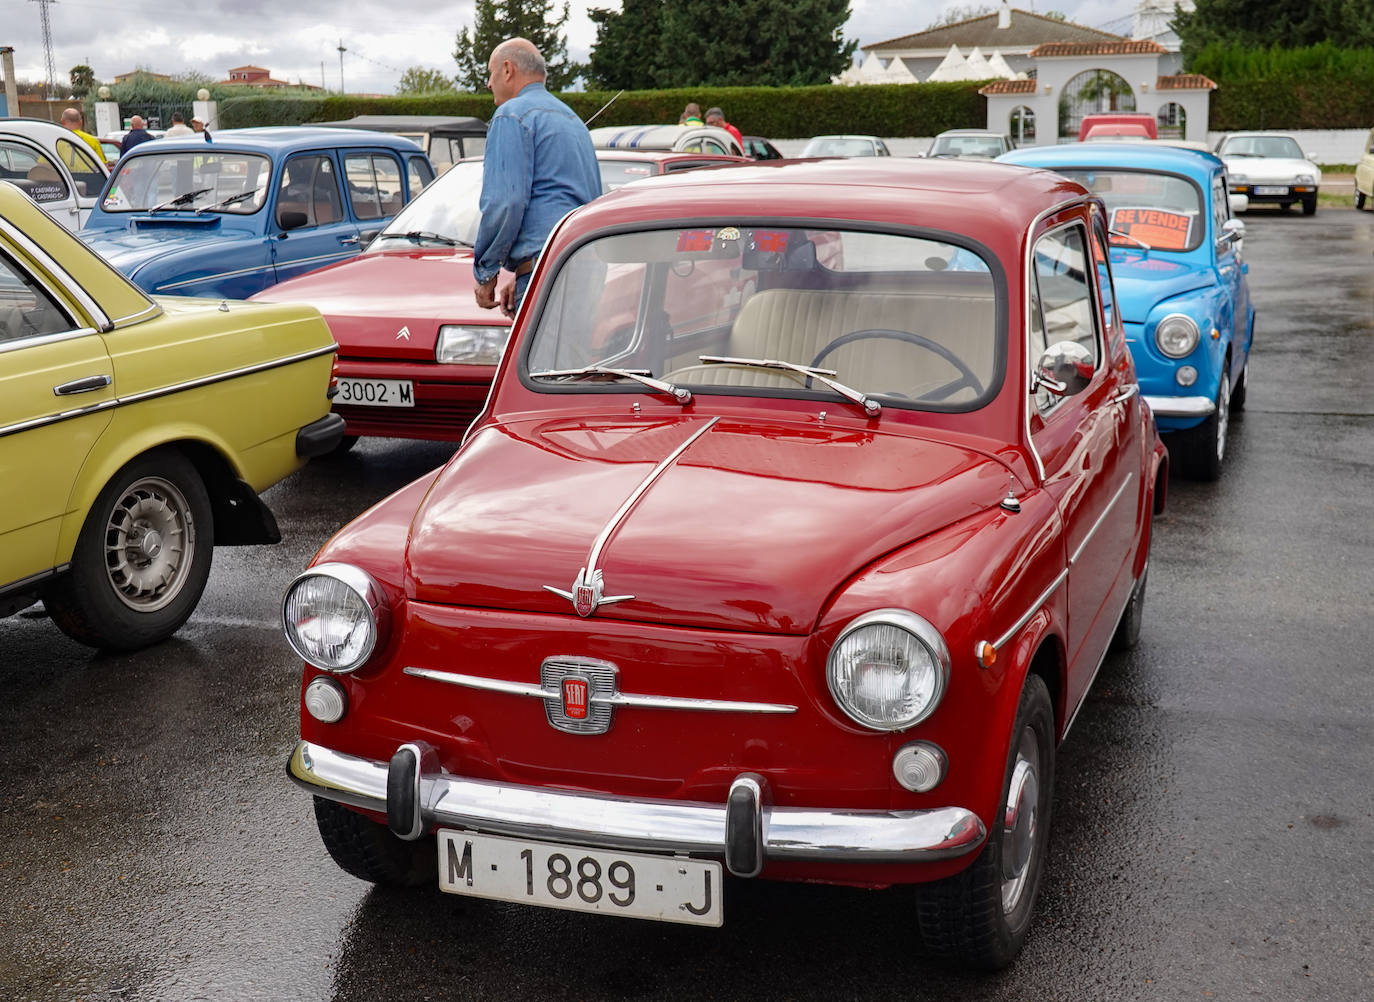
column 678, row 138
column 980, row 144
column 1269, row 167
column 845, row 146
column 53, row 166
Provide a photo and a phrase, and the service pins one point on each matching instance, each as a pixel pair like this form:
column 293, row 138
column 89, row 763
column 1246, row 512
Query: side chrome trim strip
column 153, row 308
column 69, row 284
column 1036, row 606
column 1101, row 518
column 164, row 391
column 535, row 691
column 42, row 339
column 249, row 271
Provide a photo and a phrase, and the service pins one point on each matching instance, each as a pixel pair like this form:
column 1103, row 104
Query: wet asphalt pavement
column 1213, row 816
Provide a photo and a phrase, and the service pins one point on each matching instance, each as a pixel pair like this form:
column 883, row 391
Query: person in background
column 74, row 120
column 691, row 115
column 179, row 127
column 538, row 165
column 138, row 133
column 716, row 117
column 198, row 127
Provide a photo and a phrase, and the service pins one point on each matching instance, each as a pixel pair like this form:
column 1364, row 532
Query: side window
column 374, row 185
column 418, row 173
column 87, row 175
column 1062, row 302
column 308, row 187
column 711, row 146
column 1221, row 211
column 26, row 309
column 1104, row 276
column 32, row 171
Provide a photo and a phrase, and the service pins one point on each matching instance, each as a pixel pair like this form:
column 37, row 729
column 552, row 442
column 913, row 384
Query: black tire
column 1241, row 388
column 142, row 558
column 980, row 917
column 1359, row 199
column 1309, row 206
column 1286, row 206
column 1127, row 633
column 368, row 850
column 1201, row 450
column 344, row 447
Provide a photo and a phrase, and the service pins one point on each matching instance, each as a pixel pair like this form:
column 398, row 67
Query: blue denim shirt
column 539, row 164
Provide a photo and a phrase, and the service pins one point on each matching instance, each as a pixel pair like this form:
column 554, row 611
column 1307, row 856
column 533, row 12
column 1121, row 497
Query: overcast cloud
column 298, row 39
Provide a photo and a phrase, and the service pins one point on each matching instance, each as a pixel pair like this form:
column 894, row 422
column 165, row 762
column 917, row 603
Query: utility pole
column 322, row 83
column 342, row 50
column 47, row 45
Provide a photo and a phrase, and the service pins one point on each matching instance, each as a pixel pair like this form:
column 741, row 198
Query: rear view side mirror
column 1066, row 368
column 293, row 220
column 1233, row 230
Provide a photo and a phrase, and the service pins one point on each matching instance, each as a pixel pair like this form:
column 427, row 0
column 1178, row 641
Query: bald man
column 73, row 119
column 539, row 164
column 138, row 133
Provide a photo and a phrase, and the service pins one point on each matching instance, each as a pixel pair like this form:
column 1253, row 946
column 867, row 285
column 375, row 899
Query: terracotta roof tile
column 1126, row 47
column 1009, row 87
column 1185, row 81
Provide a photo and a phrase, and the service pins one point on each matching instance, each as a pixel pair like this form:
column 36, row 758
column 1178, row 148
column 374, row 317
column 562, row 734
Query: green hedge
column 776, row 112
column 1315, row 87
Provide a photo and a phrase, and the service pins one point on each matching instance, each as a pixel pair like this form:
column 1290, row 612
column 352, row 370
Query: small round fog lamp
column 325, row 700
column 1186, row 375
column 920, row 766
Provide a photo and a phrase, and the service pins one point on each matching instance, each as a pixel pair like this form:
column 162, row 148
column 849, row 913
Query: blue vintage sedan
column 183, row 217
column 1179, row 279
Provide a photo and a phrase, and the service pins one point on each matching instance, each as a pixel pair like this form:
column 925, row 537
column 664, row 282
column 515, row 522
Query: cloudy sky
column 298, row 39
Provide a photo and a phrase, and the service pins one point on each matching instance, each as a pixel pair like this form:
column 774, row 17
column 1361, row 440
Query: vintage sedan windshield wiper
column 871, row 407
column 225, row 203
column 679, row 393
column 181, row 199
column 1126, row 236
column 415, row 236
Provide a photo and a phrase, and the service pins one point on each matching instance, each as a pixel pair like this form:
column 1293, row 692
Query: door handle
column 84, row 385
column 349, row 240
column 1126, row 394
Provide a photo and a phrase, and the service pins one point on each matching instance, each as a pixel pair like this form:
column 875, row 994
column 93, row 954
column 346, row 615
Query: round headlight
column 334, row 616
column 1176, row 335
column 888, row 669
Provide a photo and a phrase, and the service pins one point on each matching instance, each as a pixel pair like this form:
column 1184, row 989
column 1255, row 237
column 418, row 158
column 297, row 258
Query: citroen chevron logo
column 403, row 334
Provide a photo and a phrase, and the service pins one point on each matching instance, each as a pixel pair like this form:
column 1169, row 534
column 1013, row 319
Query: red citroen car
column 803, row 573
column 416, row 354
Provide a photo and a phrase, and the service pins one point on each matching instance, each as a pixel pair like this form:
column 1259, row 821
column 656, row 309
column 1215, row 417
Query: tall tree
column 628, row 51
column 496, row 20
column 1262, row 23
column 779, row 43
column 422, row 80
column 82, row 78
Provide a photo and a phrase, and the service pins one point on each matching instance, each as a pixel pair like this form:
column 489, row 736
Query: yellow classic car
column 1364, row 173
column 136, row 433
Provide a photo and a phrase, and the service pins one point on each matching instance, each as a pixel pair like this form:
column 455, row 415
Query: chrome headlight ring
column 334, row 616
column 1176, row 335
column 888, row 670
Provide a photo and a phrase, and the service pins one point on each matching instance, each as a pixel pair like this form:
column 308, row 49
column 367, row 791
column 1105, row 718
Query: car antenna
column 603, row 108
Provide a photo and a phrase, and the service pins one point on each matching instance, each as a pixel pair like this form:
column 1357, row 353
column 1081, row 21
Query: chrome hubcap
column 1223, row 416
column 1019, row 822
column 149, row 538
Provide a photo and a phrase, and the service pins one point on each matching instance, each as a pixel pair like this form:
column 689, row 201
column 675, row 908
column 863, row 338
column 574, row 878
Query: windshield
column 1262, row 146
column 967, row 146
column 1162, row 211
column 839, row 146
column 448, row 211
column 202, row 180
column 618, row 173
column 909, row 322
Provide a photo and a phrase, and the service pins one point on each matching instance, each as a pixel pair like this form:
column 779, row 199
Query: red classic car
column 803, row 572
column 416, row 354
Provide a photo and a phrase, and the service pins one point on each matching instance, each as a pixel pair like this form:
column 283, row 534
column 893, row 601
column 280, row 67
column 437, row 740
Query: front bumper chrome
column 744, row 831
column 1186, row 407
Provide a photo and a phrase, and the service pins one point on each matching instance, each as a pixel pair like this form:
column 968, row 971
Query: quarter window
column 418, row 173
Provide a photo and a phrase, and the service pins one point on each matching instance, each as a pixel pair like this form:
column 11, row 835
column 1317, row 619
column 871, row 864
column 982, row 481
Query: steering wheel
column 967, row 377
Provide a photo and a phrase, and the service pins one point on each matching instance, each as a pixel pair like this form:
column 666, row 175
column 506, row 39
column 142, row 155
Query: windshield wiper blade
column 679, row 393
column 181, row 199
column 225, row 203
column 871, row 407
column 415, row 236
column 1126, row 236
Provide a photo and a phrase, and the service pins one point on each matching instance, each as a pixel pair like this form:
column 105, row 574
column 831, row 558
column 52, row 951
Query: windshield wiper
column 179, row 200
column 415, row 236
column 225, row 203
column 871, row 407
column 679, row 393
column 1126, row 236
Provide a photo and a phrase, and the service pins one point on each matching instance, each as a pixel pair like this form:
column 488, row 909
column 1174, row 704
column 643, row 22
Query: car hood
column 1142, row 282
column 1281, row 170
column 369, row 300
column 128, row 249
column 751, row 526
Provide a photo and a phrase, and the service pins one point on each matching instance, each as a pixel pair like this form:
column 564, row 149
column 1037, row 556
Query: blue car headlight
column 1176, row 335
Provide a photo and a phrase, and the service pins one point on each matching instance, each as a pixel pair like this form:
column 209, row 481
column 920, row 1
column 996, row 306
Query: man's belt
column 523, row 267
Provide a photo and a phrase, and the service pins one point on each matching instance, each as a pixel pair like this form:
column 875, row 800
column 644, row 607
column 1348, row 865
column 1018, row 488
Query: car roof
column 848, row 136
column 1149, row 156
column 663, row 156
column 32, row 127
column 967, row 196
column 282, row 139
column 653, row 137
column 397, row 123
column 971, row 132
